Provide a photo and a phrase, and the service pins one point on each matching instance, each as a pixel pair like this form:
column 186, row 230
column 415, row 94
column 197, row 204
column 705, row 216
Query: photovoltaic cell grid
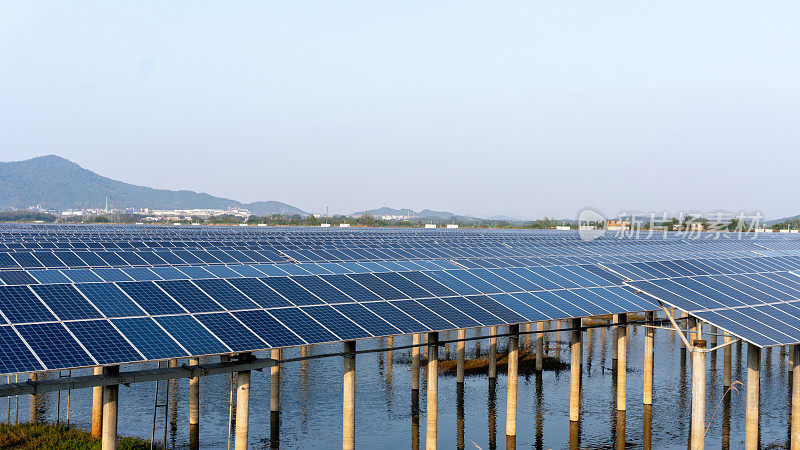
column 101, row 295
column 762, row 308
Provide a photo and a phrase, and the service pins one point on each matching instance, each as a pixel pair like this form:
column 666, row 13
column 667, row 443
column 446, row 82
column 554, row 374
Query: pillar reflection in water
column 620, row 430
column 589, row 349
column 647, row 427
column 726, row 422
column 304, row 388
column 539, row 411
column 558, row 339
column 415, row 419
column 173, row 411
column 492, row 407
column 389, row 361
column 460, row 416
column 575, row 435
column 477, row 343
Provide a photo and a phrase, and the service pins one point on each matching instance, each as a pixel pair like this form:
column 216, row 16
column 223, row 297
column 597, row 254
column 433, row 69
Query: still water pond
column 311, row 402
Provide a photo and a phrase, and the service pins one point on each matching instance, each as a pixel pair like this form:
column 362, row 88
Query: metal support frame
column 139, row 376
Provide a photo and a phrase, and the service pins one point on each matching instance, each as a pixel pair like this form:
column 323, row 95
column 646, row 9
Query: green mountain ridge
column 57, row 183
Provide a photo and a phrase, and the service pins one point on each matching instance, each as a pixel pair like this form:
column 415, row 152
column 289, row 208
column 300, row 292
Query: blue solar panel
column 82, row 276
column 7, row 262
column 231, row 332
column 109, row 299
column 497, row 309
column 66, row 302
column 403, row 284
column 112, row 275
column 169, row 273
column 453, row 315
column 323, row 290
column 336, row 322
column 471, row 309
column 268, row 329
column 14, row 354
column 141, row 274
column 189, row 296
column 519, row 307
column 149, row 338
column 222, row 272
column 191, row 335
column 452, row 282
column 260, row 293
column 20, row 305
column 396, row 317
column 292, row 291
column 353, row 290
column 367, row 319
column 246, row 271
column 49, row 276
column 15, row 277
column 152, row 299
column 104, row 342
column 303, row 325
column 424, row 315
column 196, row 272
column 54, row 345
column 225, row 294
column 26, row 260
column 378, row 286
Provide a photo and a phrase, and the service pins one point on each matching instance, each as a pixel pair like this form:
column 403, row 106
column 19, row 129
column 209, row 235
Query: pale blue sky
column 518, row 108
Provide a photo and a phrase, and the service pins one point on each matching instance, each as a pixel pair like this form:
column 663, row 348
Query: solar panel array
column 76, row 296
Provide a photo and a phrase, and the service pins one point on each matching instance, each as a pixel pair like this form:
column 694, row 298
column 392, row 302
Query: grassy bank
column 52, row 436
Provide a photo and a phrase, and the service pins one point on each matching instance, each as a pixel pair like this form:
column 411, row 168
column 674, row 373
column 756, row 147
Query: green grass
column 52, row 436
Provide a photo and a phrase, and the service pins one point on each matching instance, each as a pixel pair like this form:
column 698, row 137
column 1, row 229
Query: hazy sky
column 518, row 108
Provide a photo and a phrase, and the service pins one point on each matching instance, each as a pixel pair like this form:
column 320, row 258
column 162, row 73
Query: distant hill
column 785, row 219
column 504, row 218
column 57, row 183
column 406, row 212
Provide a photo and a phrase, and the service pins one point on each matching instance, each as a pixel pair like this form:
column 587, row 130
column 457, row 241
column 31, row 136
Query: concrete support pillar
column 575, row 371
column 726, row 362
column 389, row 355
column 349, row 397
column 795, row 427
column 415, row 362
column 433, row 386
column 460, row 357
column 528, row 335
column 649, row 333
column 712, row 336
column 614, row 348
column 753, row 381
column 242, row 405
column 693, row 327
column 558, row 340
column 698, row 395
column 622, row 345
column 194, row 408
column 513, row 369
column 97, row 407
column 493, row 353
column 539, row 346
column 275, row 398
column 110, row 400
